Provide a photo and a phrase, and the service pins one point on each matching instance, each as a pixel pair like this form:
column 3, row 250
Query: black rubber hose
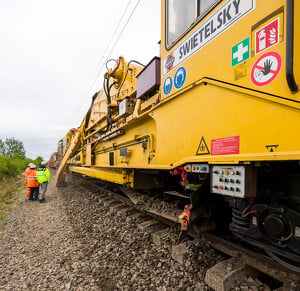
column 290, row 77
column 88, row 115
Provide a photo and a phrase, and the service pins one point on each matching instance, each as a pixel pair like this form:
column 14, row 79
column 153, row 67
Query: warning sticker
column 202, row 148
column 225, row 146
column 267, row 36
column 266, row 68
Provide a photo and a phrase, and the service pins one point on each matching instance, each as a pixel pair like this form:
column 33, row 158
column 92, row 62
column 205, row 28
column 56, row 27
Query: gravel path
column 35, row 246
column 73, row 243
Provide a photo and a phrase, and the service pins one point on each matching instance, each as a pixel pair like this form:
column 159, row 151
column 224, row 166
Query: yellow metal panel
column 218, row 100
column 111, row 175
column 214, row 60
column 214, row 112
column 88, row 158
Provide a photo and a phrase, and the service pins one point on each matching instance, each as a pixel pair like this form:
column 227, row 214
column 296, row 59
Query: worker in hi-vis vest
column 32, row 183
column 26, row 175
column 43, row 177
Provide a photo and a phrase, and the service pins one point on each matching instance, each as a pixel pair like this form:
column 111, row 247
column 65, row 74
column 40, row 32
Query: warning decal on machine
column 266, row 68
column 225, row 146
column 267, row 36
column 202, row 148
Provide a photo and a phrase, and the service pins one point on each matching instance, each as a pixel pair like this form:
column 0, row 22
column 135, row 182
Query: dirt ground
column 34, row 244
column 72, row 243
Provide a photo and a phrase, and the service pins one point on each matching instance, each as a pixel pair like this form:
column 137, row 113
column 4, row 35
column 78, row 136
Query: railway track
column 162, row 223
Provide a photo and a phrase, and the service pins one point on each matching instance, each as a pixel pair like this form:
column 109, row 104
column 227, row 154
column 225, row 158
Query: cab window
column 182, row 14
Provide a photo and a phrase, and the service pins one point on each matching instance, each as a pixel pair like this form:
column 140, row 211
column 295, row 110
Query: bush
column 13, row 166
column 12, row 158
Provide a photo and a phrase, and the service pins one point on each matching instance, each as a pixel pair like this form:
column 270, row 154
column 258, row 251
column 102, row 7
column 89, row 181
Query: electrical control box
column 149, row 78
column 125, row 107
column 234, row 181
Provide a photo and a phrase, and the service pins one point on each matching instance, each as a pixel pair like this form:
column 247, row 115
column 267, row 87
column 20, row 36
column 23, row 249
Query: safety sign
column 266, row 69
column 179, row 77
column 168, row 85
column 202, row 148
column 267, row 36
column 240, row 52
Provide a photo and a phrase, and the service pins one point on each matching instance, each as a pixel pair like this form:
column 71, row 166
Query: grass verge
column 11, row 191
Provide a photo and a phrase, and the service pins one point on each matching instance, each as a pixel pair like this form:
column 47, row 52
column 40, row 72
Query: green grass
column 11, row 191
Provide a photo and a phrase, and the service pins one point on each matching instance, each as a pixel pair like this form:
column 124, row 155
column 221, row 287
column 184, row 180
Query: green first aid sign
column 240, row 52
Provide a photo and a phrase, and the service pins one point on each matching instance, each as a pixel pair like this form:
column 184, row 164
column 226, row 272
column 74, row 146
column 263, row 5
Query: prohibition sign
column 266, row 68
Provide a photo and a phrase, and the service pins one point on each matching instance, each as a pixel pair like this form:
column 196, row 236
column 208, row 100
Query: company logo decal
column 168, row 85
column 228, row 14
column 179, row 77
column 170, row 61
column 267, row 36
column 266, row 69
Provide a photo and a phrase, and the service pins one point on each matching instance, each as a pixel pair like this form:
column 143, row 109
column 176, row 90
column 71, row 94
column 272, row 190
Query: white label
column 229, row 13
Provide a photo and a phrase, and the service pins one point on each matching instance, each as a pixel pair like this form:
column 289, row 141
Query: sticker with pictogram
column 202, row 148
column 168, row 85
column 267, row 36
column 240, row 52
column 266, row 69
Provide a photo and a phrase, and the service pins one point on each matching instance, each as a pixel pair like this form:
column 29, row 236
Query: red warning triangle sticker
column 202, row 148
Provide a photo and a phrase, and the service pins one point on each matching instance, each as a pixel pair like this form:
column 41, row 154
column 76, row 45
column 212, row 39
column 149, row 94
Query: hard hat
column 43, row 163
column 32, row 166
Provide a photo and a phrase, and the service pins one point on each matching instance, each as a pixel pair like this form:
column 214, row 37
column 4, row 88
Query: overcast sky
column 51, row 51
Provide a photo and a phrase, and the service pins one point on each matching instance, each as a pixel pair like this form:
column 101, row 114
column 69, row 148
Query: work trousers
column 43, row 190
column 28, row 193
column 34, row 193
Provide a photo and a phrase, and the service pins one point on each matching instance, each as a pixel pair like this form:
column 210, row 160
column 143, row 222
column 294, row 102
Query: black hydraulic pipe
column 88, row 115
column 290, row 46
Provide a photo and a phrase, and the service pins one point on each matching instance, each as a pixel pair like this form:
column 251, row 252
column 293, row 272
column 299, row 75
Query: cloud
column 49, row 52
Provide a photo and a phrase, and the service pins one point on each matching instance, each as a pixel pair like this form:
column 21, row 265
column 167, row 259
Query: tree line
column 13, row 159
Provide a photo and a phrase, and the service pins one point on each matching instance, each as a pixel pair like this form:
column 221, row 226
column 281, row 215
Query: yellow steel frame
column 212, row 104
column 112, row 175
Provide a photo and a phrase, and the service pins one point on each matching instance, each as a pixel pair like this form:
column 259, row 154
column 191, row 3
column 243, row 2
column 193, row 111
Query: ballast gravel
column 73, row 242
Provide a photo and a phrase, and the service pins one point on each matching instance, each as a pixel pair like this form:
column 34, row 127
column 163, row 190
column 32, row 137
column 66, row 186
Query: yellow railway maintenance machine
column 216, row 118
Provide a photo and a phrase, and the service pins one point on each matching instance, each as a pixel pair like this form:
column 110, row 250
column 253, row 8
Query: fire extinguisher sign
column 267, row 36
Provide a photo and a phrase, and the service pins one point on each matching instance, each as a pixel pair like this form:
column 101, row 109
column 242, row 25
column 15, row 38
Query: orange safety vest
column 31, row 179
column 26, row 174
column 28, row 188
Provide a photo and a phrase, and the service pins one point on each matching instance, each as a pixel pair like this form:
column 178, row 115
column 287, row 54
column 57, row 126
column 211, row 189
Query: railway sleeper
column 108, row 202
column 231, row 272
column 151, row 226
column 113, row 206
column 165, row 238
column 123, row 210
column 240, row 265
column 254, row 266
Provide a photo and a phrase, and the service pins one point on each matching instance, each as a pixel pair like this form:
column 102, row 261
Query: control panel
column 235, row 181
column 197, row 168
